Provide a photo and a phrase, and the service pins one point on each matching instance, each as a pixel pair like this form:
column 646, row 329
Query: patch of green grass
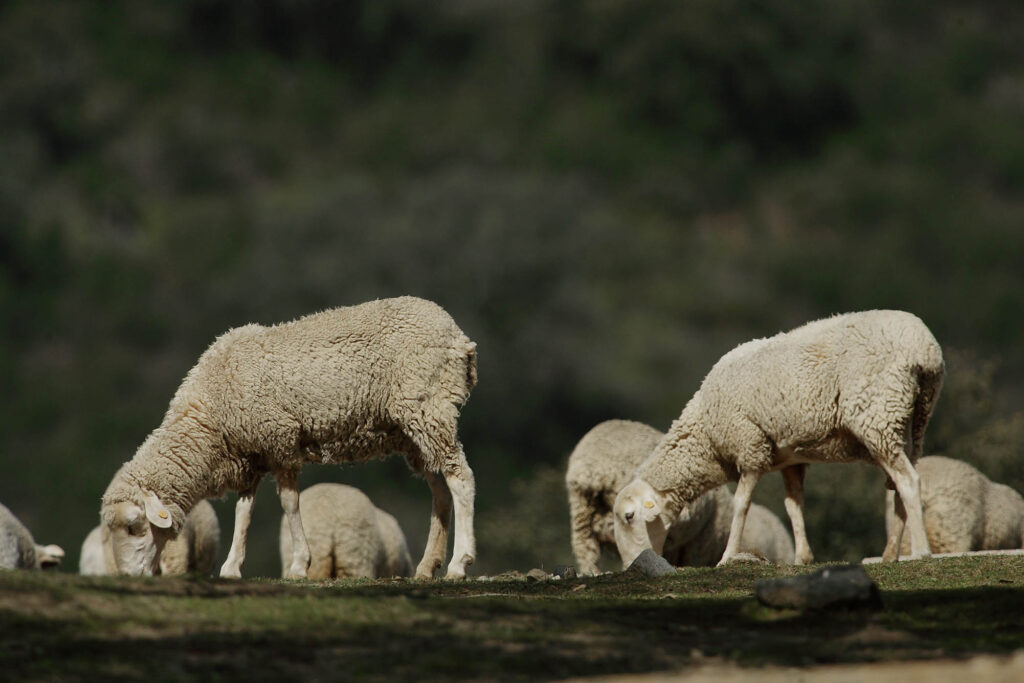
column 66, row 626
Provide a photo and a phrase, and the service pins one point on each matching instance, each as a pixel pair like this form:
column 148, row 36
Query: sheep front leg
column 440, row 519
column 740, row 505
column 793, row 477
column 232, row 568
column 462, row 485
column 288, row 490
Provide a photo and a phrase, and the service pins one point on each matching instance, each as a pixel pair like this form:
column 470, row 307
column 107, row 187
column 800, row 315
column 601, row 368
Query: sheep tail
column 470, row 350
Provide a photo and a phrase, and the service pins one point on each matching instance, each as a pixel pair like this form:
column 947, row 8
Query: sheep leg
column 793, row 478
column 740, row 505
column 895, row 541
column 461, row 484
column 288, row 490
column 232, row 567
column 440, row 520
column 908, row 497
column 585, row 546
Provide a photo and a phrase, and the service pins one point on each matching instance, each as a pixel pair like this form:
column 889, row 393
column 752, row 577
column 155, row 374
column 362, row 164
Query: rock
column 537, row 575
column 651, row 564
column 563, row 571
column 844, row 586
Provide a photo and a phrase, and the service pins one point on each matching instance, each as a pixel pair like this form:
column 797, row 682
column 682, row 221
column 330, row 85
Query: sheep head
column 638, row 521
column 137, row 533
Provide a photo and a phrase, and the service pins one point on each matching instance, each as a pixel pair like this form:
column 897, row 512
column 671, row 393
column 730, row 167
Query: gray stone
column 651, row 564
column 843, row 586
column 563, row 571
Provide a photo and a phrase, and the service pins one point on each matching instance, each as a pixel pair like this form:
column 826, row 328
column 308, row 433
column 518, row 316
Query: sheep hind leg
column 894, row 544
column 585, row 546
column 740, row 505
column 459, row 477
column 288, row 490
column 793, row 478
column 908, row 498
column 440, row 521
column 232, row 567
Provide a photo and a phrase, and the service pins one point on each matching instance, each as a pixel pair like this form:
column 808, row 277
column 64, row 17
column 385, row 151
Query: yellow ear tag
column 162, row 514
column 648, row 504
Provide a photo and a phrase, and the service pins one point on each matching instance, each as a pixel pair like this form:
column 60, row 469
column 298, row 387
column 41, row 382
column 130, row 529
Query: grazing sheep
column 348, row 536
column 963, row 509
column 19, row 551
column 344, row 385
column 603, row 462
column 194, row 549
column 854, row 387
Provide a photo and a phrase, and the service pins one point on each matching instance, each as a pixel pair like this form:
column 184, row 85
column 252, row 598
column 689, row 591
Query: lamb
column 343, row 385
column 602, row 463
column 348, row 536
column 193, row 550
column 853, row 387
column 963, row 509
column 18, row 550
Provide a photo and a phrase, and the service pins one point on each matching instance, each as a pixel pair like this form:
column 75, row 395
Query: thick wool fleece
column 348, row 536
column 347, row 384
column 193, row 550
column 851, row 387
column 603, row 462
column 963, row 509
column 18, row 550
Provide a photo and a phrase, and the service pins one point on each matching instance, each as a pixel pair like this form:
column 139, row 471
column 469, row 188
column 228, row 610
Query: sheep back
column 963, row 509
column 346, row 536
column 17, row 548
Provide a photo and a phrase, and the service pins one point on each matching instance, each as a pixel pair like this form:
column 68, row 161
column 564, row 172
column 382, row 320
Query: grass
column 62, row 626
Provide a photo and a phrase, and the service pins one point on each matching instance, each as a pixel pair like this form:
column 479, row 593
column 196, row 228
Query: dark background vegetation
column 606, row 195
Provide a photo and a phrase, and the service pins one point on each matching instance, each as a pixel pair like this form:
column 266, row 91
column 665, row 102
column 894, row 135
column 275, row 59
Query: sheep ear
column 156, row 513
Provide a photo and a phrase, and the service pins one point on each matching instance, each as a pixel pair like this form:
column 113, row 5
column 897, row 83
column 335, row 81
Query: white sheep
column 194, row 549
column 344, row 385
column 18, row 550
column 348, row 536
column 963, row 509
column 603, row 462
column 854, row 387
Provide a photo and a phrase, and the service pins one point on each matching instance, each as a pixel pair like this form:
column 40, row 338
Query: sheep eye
column 629, row 516
column 139, row 530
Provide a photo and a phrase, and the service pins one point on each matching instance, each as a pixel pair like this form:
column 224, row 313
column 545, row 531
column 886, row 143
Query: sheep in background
column 18, row 550
column 854, row 387
column 194, row 549
column 963, row 509
column 344, row 385
column 603, row 462
column 348, row 536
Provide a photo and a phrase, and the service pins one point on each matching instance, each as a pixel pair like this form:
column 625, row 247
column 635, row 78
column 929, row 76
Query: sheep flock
column 390, row 376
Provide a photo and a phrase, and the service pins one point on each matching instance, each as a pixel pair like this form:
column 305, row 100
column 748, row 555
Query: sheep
column 193, row 550
column 603, row 462
column 853, row 387
column 963, row 509
column 18, row 550
column 348, row 536
column 344, row 385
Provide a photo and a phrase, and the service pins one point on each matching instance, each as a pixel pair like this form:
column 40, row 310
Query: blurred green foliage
column 606, row 195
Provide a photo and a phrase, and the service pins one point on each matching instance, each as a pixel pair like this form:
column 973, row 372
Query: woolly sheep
column 963, row 509
column 854, row 387
column 344, row 385
column 347, row 535
column 18, row 550
column 193, row 550
column 603, row 462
